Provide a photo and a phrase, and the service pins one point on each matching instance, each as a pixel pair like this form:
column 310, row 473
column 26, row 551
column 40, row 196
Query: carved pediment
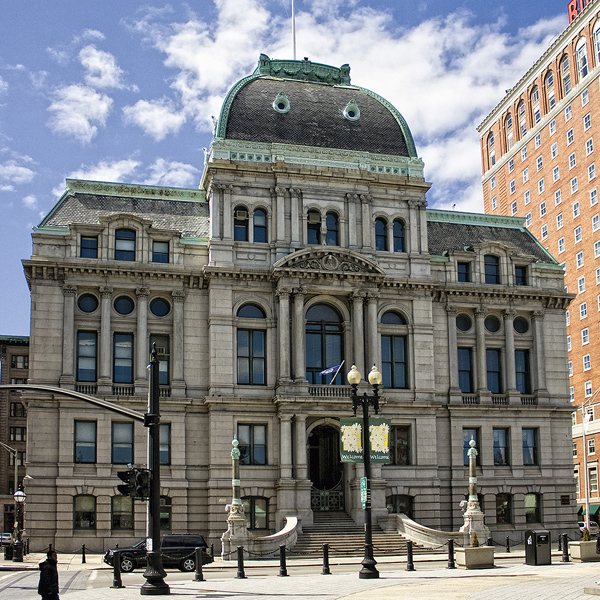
column 327, row 261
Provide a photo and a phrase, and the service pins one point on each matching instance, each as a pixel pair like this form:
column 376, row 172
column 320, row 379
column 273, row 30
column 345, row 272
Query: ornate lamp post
column 368, row 571
column 19, row 496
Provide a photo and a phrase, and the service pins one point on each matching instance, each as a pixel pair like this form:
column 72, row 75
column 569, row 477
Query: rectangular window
column 522, row 370
column 511, row 165
column 504, row 509
column 561, row 245
column 587, row 122
column 253, row 444
column 513, row 187
column 593, row 197
column 89, row 247
column 569, row 343
column 400, row 445
column 575, row 209
column 557, row 197
column 585, row 97
column 501, row 446
column 570, row 137
column 595, row 222
column 17, row 434
column 552, row 126
column 493, row 182
column 572, row 395
column 559, row 221
column 468, row 435
column 530, row 455
column 494, row 372
column 520, row 275
column 20, row 459
column 544, row 231
column 589, row 147
column 591, row 171
column 122, row 513
column 17, row 409
column 528, row 220
column 19, row 361
column 577, row 233
column 523, row 153
column 123, row 358
column 463, row 271
column 583, row 310
column 587, row 363
column 526, row 197
column 163, row 351
column 122, row 443
column 579, row 259
column 570, row 365
column 251, row 357
column 84, row 450
column 86, row 355
column 540, row 186
column 542, row 209
column 393, row 361
column 580, row 285
column 555, row 173
column 554, row 150
column 525, row 175
column 538, row 138
column 568, row 112
column 465, row 370
column 574, row 185
column 124, row 244
column 593, row 480
column 160, row 252
column 494, row 203
column 513, row 208
column 539, row 163
column 165, row 443
column 572, row 161
column 598, row 276
column 588, row 389
column 596, row 251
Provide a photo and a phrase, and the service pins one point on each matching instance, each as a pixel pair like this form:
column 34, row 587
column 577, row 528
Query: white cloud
column 12, row 173
column 101, row 67
column 172, row 174
column 63, row 53
column 77, row 111
column 116, row 171
column 157, row 118
column 30, row 202
column 3, row 86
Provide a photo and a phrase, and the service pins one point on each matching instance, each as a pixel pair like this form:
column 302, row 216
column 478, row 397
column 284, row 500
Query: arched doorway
column 325, row 469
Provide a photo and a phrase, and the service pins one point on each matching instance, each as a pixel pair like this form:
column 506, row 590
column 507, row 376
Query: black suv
column 178, row 550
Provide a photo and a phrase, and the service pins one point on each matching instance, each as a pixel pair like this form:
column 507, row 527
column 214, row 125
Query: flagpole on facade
column 336, row 373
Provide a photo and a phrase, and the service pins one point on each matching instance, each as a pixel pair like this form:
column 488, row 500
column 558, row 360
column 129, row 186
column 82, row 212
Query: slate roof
column 190, row 218
column 315, row 117
column 455, row 236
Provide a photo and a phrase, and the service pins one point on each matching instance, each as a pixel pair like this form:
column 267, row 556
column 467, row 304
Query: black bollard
column 199, row 576
column 410, row 565
column 507, row 544
column 326, row 570
column 49, row 547
column 560, row 542
column 212, row 550
column 565, row 548
column 240, row 560
column 451, row 563
column 27, row 545
column 282, row 564
column 490, row 541
column 83, row 554
column 117, row 582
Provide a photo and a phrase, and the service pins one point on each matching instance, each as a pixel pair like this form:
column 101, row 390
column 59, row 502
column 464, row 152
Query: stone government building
column 307, row 243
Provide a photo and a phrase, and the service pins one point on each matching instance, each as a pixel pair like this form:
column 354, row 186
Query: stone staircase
column 346, row 538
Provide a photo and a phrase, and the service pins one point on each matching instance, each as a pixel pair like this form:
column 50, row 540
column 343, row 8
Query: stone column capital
column 106, row 291
column 178, row 295
column 358, row 296
column 366, row 198
column 283, row 292
column 372, row 295
column 69, row 289
column 480, row 312
column 300, row 291
column 352, row 196
column 142, row 292
column 537, row 315
column 451, row 310
column 509, row 314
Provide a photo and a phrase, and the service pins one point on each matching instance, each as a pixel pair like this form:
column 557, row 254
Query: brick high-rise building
column 539, row 149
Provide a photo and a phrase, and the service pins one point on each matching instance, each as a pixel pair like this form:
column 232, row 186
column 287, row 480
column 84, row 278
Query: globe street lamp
column 368, row 571
column 19, row 497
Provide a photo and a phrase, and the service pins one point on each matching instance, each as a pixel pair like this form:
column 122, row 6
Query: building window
column 569, row 343
column 596, row 251
column 554, row 150
column 256, row 510
column 555, row 174
column 393, row 353
column 19, row 361
column 160, row 252
column 593, row 197
column 251, row 348
column 165, row 513
column 591, row 171
column 525, row 175
column 572, row 161
column 559, row 221
column 561, row 245
column 532, row 508
column 20, row 459
column 465, row 370
column 494, row 372
column 528, row 220
column 595, row 223
column 240, row 224
column 493, row 182
column 122, row 443
column 574, row 185
column 538, row 137
column 124, row 244
column 381, row 243
column 492, row 269
column 587, row 388
column 570, row 366
column 513, row 186
column 18, row 434
column 84, row 450
column 324, row 343
column 87, row 303
column 566, row 77
column 124, row 305
column 570, row 137
column 17, row 409
column 165, row 443
column 552, row 125
column 587, row 122
column 89, row 246
column 580, row 285
column 313, row 227
column 259, row 226
column 557, row 197
column 544, row 231
column 581, row 59
column 585, row 97
column 333, row 227
column 123, row 358
column 598, row 276
column 526, row 197
column 523, row 373
column 122, row 513
column 579, row 259
column 583, row 310
column 539, row 163
column 504, row 509
column 400, row 445
column 567, row 318
column 253, row 444
column 398, row 231
column 511, row 163
column 468, row 435
column 520, row 275
column 86, row 355
column 463, row 271
column 501, row 445
column 593, row 480
column 400, row 504
column 577, row 233
column 84, row 512
column 491, row 150
column 568, row 113
column 523, row 152
column 587, row 362
column 164, row 357
column 513, row 208
column 530, row 454
column 494, row 203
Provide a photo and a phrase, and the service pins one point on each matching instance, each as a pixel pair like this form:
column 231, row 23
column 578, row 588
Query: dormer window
column 492, row 269
column 463, row 271
column 351, row 112
column 89, row 246
column 160, row 252
column 240, row 224
column 281, row 104
column 124, row 244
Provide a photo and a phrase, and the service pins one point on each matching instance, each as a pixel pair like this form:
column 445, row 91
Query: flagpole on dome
column 294, row 29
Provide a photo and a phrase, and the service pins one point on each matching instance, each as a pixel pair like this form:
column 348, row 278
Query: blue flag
column 330, row 370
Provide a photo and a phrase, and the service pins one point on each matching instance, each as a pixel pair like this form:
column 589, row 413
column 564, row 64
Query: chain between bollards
column 199, row 575
column 240, row 563
column 282, row 564
column 117, row 582
column 410, row 565
column 451, row 563
column 565, row 548
column 326, row 570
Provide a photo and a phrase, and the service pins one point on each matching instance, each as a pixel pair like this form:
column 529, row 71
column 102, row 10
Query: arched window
column 597, row 44
column 522, row 119
column 492, row 269
column 508, row 129
column 332, row 223
column 313, row 227
column 251, row 347
column 240, row 224
column 324, row 343
column 504, row 511
column 491, row 150
column 259, row 223
column 165, row 513
column 400, row 504
column 566, row 76
column 549, row 85
column 381, row 241
column 394, row 350
column 398, row 230
column 84, row 512
column 256, row 509
column 581, row 59
column 124, row 244
column 122, row 512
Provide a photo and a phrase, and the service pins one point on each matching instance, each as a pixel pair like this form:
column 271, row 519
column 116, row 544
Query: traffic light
column 142, row 484
column 128, row 487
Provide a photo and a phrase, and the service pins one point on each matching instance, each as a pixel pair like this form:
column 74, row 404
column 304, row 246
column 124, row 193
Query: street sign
column 363, row 491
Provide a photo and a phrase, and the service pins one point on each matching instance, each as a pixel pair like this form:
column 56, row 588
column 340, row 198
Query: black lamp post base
column 368, row 571
column 155, row 577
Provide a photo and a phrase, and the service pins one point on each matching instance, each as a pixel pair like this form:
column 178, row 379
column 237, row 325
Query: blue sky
column 124, row 91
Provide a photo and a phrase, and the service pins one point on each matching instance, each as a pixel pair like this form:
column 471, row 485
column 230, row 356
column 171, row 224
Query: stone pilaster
column 177, row 352
column 105, row 375
column 480, row 314
column 509, row 337
column 358, row 332
column 284, row 334
column 299, row 342
column 67, row 378
column 372, row 335
column 142, row 354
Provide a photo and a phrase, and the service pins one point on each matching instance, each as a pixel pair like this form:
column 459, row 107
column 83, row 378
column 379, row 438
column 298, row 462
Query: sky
column 123, row 91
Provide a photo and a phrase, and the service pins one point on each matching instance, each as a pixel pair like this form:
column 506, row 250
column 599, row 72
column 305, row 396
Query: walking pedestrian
column 48, row 586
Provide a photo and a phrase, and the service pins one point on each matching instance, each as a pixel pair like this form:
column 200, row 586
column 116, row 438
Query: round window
column 123, row 305
column 463, row 322
column 159, row 307
column 521, row 325
column 87, row 303
column 492, row 324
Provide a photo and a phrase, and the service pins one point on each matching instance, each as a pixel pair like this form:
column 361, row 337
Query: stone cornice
column 104, row 188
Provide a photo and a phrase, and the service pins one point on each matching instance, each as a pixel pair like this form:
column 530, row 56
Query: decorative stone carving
column 69, row 289
column 142, row 292
column 328, row 261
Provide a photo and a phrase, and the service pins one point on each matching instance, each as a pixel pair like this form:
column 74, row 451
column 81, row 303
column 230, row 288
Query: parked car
column 178, row 551
column 594, row 528
column 5, row 539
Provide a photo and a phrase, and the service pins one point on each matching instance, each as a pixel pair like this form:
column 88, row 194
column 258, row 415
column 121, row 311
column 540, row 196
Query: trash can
column 537, row 547
column 8, row 552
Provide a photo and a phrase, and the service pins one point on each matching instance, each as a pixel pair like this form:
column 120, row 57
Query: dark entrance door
column 325, row 469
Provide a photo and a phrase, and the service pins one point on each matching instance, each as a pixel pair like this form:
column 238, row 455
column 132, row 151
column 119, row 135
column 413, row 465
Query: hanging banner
column 351, row 449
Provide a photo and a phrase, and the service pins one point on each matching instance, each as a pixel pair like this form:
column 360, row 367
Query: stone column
column 226, row 191
column 280, row 216
column 298, row 341
column 358, row 331
column 295, row 200
column 67, row 378
column 539, row 384
column 104, row 375
column 352, row 202
column 414, row 226
column 368, row 234
column 177, row 354
column 372, row 333
column 284, row 334
column 285, row 446
column 451, row 313
column 390, row 235
column 142, row 338
column 215, row 204
column 423, row 226
column 509, row 336
column 481, row 362
column 301, row 468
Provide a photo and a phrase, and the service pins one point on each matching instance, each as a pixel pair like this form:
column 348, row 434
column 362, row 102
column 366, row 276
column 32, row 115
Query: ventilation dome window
column 281, row 104
column 351, row 112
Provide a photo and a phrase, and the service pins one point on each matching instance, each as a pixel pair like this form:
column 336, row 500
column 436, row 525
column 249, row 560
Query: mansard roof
column 88, row 202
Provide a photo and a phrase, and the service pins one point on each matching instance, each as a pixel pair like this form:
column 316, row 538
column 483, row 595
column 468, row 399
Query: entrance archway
column 325, row 469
